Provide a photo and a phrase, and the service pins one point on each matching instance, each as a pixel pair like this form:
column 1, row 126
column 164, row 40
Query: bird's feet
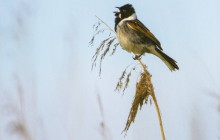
column 136, row 57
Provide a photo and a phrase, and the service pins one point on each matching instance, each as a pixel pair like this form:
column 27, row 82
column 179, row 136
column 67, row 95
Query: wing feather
column 139, row 27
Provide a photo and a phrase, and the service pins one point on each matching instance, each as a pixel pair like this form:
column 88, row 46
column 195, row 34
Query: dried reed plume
column 105, row 45
column 144, row 87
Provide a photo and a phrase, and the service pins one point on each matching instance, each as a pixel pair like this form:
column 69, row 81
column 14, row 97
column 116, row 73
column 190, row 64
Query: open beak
column 116, row 12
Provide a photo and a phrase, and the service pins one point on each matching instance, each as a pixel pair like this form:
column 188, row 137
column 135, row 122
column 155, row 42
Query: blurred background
column 48, row 91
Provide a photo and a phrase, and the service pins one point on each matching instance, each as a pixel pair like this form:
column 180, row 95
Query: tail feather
column 171, row 63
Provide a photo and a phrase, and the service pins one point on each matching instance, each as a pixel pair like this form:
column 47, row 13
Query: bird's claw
column 136, row 57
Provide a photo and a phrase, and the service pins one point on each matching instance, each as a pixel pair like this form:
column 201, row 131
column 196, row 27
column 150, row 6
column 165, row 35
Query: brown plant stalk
column 152, row 93
column 144, row 87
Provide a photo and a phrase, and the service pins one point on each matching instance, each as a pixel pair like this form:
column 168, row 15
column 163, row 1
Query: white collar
column 132, row 17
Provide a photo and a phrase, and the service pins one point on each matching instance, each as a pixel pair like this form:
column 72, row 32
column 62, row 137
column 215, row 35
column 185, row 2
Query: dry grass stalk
column 108, row 45
column 141, row 96
column 127, row 81
column 120, row 82
column 151, row 92
column 105, row 24
column 105, row 45
column 124, row 79
column 144, row 87
column 115, row 47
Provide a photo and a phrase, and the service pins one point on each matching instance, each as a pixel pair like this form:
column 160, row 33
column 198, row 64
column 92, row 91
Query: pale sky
column 45, row 71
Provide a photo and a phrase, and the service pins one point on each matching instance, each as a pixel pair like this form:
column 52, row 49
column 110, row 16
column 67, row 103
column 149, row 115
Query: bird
column 136, row 38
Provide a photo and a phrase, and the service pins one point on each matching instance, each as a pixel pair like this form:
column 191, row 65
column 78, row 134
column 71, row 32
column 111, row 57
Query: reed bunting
column 134, row 37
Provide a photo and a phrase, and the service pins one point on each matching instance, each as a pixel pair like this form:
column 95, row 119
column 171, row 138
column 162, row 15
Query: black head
column 126, row 11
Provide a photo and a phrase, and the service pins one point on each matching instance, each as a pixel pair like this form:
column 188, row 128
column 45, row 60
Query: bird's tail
column 171, row 63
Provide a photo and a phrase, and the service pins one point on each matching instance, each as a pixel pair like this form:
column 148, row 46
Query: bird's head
column 125, row 11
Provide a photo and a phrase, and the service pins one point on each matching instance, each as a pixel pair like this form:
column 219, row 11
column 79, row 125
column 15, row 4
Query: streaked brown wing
column 138, row 26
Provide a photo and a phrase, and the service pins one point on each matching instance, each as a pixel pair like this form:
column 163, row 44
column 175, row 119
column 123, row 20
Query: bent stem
column 105, row 24
column 150, row 85
column 158, row 115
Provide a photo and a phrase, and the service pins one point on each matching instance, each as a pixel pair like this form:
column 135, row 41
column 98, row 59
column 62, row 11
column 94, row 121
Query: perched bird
column 134, row 37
